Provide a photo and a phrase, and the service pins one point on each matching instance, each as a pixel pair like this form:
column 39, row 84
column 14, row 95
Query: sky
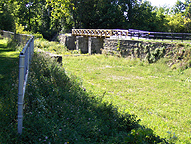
column 163, row 2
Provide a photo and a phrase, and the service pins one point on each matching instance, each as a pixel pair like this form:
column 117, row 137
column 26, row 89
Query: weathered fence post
column 89, row 45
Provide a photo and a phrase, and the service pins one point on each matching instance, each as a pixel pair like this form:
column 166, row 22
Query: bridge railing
column 99, row 32
column 25, row 57
column 107, row 33
column 159, row 35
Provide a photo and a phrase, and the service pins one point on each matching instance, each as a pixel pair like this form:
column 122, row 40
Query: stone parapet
column 136, row 49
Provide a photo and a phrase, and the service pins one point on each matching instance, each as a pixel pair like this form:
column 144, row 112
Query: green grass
column 159, row 96
column 8, row 86
column 7, row 58
column 58, row 110
column 97, row 99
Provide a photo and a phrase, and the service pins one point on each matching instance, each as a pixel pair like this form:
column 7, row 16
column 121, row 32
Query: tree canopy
column 50, row 17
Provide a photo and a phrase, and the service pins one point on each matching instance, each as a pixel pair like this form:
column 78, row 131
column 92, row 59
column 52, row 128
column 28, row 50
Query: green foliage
column 59, row 16
column 144, row 17
column 53, row 47
column 21, row 29
column 38, row 36
column 6, row 18
column 143, row 135
column 155, row 55
column 179, row 57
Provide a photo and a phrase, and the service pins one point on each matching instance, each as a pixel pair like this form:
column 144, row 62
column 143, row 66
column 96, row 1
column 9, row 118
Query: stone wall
column 20, row 38
column 96, row 45
column 136, row 49
column 68, row 40
column 82, row 43
column 126, row 48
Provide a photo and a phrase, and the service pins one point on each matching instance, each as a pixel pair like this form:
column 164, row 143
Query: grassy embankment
column 58, row 110
column 9, row 58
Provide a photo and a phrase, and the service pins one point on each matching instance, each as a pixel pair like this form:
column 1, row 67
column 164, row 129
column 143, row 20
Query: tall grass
column 59, row 110
column 97, row 99
column 158, row 95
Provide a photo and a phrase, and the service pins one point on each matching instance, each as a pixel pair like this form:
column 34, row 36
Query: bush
column 38, row 36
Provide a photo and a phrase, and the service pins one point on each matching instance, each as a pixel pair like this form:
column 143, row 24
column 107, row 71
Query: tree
column 6, row 18
column 162, row 22
column 60, row 12
column 179, row 7
column 179, row 18
column 145, row 17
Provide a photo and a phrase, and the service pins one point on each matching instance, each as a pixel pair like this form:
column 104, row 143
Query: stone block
column 82, row 44
column 96, row 45
column 68, row 40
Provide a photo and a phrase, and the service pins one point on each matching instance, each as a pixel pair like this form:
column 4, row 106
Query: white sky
column 169, row 3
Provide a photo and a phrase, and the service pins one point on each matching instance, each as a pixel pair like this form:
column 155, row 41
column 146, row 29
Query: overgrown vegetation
column 177, row 54
column 59, row 110
column 95, row 99
column 54, row 47
column 181, row 57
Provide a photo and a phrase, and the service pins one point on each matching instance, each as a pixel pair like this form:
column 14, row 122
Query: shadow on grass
column 9, row 62
column 8, row 88
column 58, row 110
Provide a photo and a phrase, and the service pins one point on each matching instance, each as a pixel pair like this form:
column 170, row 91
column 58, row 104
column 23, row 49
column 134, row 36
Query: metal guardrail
column 25, row 57
column 159, row 35
column 24, row 62
column 99, row 32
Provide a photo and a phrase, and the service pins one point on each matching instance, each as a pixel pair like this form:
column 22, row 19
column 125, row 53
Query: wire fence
column 159, row 35
column 25, row 57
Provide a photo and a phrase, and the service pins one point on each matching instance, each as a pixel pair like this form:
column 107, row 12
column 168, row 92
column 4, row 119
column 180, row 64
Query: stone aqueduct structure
column 108, row 41
column 89, row 40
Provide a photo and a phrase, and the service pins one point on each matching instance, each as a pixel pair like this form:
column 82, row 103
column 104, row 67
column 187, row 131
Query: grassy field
column 94, row 99
column 9, row 59
column 159, row 96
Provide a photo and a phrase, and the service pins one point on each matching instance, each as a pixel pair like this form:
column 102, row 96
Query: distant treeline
column 50, row 17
